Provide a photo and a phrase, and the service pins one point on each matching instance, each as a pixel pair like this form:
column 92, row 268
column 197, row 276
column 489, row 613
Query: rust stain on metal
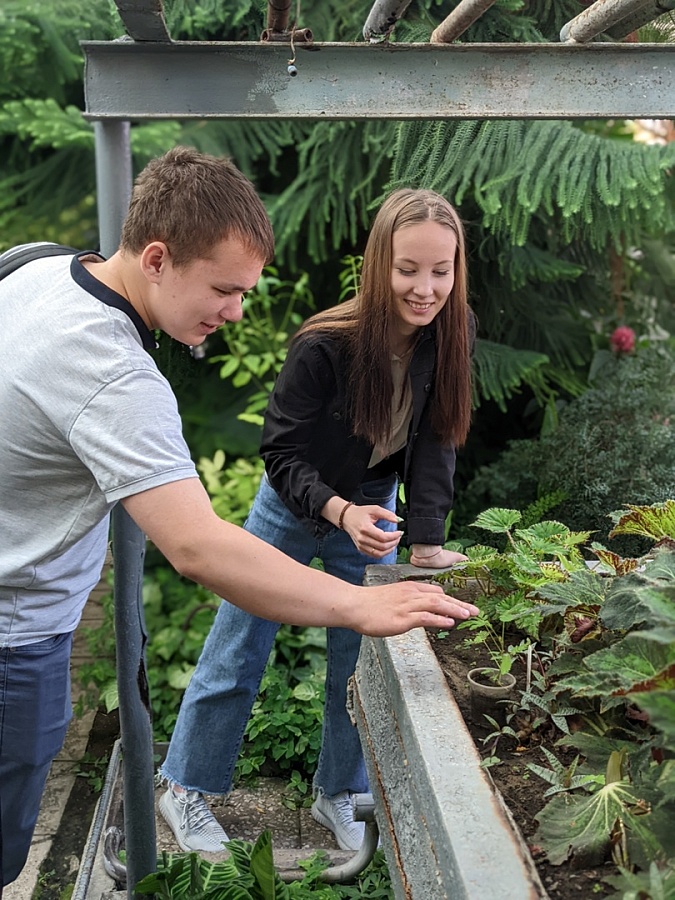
column 385, row 802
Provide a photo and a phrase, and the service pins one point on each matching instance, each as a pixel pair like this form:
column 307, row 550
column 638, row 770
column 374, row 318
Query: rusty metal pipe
column 300, row 36
column 648, row 13
column 463, row 15
column 382, row 19
column 597, row 18
column 278, row 14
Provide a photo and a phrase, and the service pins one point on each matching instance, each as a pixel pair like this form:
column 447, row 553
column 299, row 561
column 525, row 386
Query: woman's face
column 422, row 274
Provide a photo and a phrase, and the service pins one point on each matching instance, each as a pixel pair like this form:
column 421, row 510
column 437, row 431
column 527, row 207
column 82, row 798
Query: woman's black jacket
column 311, row 454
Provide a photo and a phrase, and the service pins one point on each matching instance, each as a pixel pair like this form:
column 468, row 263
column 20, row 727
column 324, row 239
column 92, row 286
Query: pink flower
column 622, row 339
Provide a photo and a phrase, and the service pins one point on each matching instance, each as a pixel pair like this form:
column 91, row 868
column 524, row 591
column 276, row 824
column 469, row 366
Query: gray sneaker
column 192, row 822
column 337, row 814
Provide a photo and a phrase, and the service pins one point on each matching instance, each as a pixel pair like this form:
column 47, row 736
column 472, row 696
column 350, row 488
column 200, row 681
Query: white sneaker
column 336, row 813
column 192, row 822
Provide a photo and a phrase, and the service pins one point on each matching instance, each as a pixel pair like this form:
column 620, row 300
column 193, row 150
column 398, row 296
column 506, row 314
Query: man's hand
column 390, row 609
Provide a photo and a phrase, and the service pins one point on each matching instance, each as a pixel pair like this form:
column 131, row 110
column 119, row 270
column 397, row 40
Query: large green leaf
column 584, row 588
column 581, row 827
column 621, row 667
column 262, row 868
column 188, row 876
column 656, row 522
column 497, row 520
column 660, row 704
column 646, row 596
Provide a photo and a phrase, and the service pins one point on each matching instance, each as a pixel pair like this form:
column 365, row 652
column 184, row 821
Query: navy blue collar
column 111, row 298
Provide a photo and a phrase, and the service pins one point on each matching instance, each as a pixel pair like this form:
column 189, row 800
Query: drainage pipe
column 278, row 14
column 600, row 16
column 463, row 15
column 364, row 811
column 134, row 698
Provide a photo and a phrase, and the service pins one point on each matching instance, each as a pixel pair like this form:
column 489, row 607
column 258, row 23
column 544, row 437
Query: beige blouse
column 401, row 410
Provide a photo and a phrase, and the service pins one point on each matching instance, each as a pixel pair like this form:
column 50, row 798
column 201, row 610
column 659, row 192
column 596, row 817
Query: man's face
column 192, row 302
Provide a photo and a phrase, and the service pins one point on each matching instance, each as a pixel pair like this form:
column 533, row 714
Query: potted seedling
column 505, row 582
column 490, row 687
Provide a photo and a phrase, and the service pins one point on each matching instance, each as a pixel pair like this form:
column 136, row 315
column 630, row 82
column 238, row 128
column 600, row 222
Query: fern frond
column 328, row 200
column 500, row 371
column 601, row 189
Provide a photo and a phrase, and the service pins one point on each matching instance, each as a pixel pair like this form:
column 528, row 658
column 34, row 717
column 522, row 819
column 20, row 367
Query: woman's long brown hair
column 363, row 321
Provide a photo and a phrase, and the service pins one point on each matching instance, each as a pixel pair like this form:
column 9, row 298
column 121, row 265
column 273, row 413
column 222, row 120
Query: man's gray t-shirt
column 86, row 419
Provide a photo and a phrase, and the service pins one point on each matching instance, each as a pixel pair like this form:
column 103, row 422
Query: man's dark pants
column 35, row 710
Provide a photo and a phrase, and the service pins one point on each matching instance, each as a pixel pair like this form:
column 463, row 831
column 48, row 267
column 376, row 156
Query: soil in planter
column 521, row 789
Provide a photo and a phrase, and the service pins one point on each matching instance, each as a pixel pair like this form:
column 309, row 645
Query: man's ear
column 154, row 259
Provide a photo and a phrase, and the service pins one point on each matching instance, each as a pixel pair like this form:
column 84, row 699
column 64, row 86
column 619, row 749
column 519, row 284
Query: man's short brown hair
column 191, row 201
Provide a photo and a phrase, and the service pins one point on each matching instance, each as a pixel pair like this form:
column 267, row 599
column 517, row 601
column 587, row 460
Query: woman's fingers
column 380, row 545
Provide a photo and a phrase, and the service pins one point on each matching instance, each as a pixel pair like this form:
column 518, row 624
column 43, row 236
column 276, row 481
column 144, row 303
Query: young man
column 87, row 420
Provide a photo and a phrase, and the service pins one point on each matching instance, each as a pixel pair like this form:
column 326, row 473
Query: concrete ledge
column 445, row 831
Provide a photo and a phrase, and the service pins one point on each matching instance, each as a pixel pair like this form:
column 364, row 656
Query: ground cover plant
column 249, row 874
column 594, row 719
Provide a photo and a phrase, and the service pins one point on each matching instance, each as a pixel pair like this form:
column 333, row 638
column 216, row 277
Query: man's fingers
column 396, row 608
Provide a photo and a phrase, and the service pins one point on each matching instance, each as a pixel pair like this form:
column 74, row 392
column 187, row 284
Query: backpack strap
column 15, row 257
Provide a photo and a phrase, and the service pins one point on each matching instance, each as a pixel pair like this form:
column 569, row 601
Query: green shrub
column 612, row 447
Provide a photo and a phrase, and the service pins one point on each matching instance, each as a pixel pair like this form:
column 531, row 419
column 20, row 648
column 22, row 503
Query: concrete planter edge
column 446, row 832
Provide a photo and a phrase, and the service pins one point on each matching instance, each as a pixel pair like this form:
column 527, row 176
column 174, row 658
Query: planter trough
column 445, row 831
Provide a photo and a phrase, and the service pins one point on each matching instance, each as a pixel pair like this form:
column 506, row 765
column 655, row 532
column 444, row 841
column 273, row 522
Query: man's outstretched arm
column 234, row 564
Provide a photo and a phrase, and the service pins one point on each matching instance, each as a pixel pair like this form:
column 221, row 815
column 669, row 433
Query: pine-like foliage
column 305, row 213
column 593, row 188
column 543, row 201
column 500, row 371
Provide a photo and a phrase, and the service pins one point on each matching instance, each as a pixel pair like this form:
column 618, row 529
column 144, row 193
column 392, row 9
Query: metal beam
column 188, row 80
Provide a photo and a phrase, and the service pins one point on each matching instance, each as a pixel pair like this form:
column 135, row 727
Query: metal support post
column 114, row 176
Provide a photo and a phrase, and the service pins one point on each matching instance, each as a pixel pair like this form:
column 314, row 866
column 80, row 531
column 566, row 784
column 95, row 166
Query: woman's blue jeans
column 218, row 701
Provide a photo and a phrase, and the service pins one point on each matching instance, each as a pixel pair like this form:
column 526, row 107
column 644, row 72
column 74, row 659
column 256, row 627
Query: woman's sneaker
column 192, row 822
column 337, row 814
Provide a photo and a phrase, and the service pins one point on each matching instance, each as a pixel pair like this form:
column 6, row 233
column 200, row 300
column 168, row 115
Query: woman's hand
column 427, row 556
column 359, row 523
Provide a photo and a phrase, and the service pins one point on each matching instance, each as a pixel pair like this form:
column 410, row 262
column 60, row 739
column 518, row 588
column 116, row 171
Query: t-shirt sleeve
column 129, row 436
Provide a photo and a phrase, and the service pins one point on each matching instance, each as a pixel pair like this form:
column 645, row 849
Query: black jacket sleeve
column 430, row 465
column 300, row 429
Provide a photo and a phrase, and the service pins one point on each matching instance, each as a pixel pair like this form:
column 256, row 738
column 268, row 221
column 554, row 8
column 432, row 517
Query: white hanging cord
column 292, row 69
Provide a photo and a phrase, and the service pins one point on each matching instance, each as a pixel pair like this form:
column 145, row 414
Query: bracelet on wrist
column 341, row 520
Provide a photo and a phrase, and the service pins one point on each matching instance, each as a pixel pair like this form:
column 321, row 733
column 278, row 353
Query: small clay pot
column 487, row 695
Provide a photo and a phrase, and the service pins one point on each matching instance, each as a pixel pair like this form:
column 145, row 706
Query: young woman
column 373, row 390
